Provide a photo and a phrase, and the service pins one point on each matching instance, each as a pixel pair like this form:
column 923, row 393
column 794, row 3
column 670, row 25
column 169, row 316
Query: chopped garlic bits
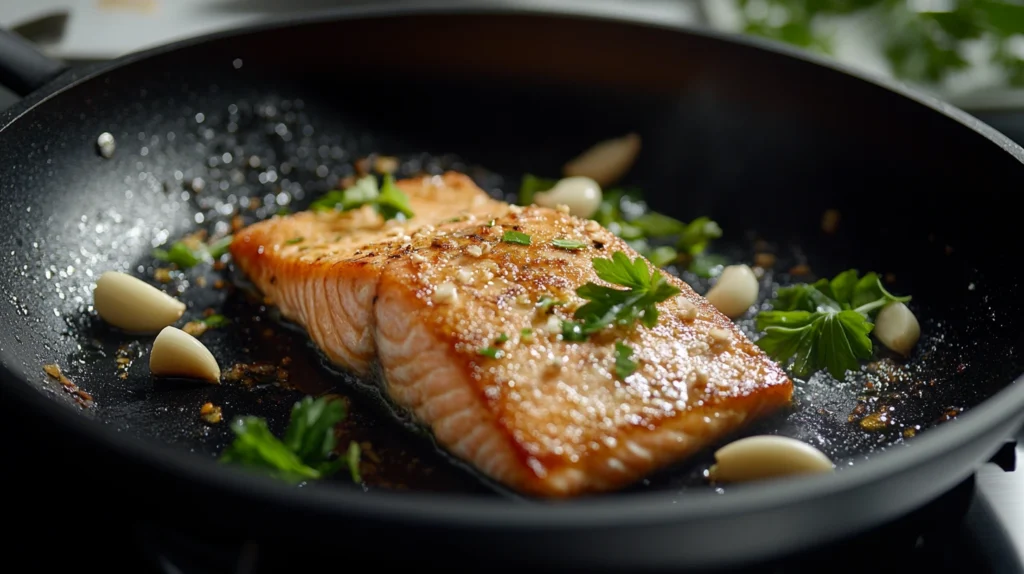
column 767, row 456
column 133, row 305
column 177, row 354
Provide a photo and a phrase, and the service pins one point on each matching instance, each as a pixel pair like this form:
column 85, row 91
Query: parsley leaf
column 824, row 325
column 624, row 366
column 697, row 234
column 569, row 244
column 608, row 306
column 295, row 240
column 219, row 247
column 188, row 254
column 214, row 321
column 491, row 353
column 352, row 457
column 546, row 302
column 179, row 254
column 388, row 200
column 392, row 200
column 515, row 237
column 304, row 453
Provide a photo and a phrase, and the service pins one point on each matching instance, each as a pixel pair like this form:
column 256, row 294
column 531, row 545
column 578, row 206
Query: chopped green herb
column 626, row 215
column 306, row 451
column 388, row 200
column 186, row 257
column 501, row 339
column 283, row 210
column 531, row 185
column 526, row 333
column 295, row 240
column 219, row 247
column 515, row 237
column 179, row 254
column 624, row 366
column 662, row 256
column 569, row 244
column 705, row 264
column 824, row 325
column 392, row 201
column 697, row 234
column 491, row 352
column 608, row 306
column 545, row 303
column 490, row 223
column 654, row 224
column 215, row 321
column 352, row 457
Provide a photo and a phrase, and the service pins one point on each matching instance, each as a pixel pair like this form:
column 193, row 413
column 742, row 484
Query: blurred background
column 970, row 52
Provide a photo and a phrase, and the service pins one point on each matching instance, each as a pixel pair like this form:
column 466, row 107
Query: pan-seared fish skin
column 545, row 417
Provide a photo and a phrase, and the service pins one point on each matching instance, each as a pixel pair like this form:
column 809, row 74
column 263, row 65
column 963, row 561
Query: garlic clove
column 177, row 354
column 735, row 291
column 607, row 161
column 767, row 456
column 133, row 305
column 897, row 328
column 581, row 195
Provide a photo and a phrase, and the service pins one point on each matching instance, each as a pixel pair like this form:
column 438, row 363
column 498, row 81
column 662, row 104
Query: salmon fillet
column 417, row 301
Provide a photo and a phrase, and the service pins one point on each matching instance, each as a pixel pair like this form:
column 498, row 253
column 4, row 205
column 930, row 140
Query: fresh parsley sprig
column 824, row 325
column 188, row 254
column 307, row 450
column 388, row 200
column 626, row 215
column 609, row 306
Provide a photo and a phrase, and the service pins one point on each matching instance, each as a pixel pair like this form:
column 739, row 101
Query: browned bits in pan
column 800, row 270
column 256, row 374
column 830, row 221
column 210, row 413
column 162, row 274
column 81, row 397
column 125, row 357
column 195, row 328
column 764, row 260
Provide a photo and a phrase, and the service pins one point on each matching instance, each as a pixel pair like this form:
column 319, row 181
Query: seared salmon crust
column 454, row 316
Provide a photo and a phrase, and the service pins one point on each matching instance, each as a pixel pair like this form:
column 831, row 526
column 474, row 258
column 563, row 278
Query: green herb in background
column 387, row 199
column 824, row 325
column 180, row 253
column 624, row 213
column 307, row 450
column 215, row 321
column 624, row 365
column 921, row 46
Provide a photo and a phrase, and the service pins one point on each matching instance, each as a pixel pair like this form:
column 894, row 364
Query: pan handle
column 23, row 68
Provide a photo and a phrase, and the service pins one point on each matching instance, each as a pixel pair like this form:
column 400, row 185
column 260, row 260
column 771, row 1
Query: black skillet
column 761, row 138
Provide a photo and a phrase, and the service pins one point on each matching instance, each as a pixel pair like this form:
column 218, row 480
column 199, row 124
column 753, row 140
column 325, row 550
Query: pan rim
column 646, row 509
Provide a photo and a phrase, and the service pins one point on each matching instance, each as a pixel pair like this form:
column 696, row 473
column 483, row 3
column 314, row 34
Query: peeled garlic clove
column 607, row 161
column 767, row 456
column 132, row 304
column 581, row 195
column 735, row 291
column 177, row 354
column 897, row 328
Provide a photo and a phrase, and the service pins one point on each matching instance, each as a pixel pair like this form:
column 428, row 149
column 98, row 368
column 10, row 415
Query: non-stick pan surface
column 760, row 139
